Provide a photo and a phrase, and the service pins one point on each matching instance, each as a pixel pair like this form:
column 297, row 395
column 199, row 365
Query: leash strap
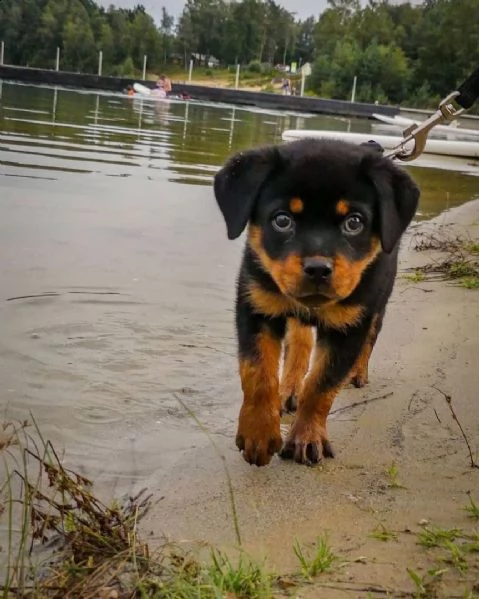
column 469, row 91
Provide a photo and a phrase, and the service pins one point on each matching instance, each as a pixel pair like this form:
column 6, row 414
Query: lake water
column 117, row 280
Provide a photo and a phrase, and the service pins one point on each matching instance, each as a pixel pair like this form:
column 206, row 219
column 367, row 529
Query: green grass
column 415, row 277
column 437, row 537
column 455, row 556
column 393, row 474
column 461, row 269
column 245, row 579
column 381, row 533
column 472, row 247
column 470, row 282
column 472, row 509
column 425, row 584
column 317, row 559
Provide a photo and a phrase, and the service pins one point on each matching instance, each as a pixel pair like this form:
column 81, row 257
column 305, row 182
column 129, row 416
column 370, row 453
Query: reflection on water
column 46, row 132
column 61, row 130
column 117, row 277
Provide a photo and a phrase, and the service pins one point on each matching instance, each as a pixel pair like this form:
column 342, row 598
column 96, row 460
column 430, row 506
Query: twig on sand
column 417, row 289
column 437, row 416
column 448, row 399
column 362, row 403
column 363, row 588
column 225, row 465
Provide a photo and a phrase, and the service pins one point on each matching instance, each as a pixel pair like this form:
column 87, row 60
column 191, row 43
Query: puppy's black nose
column 318, row 269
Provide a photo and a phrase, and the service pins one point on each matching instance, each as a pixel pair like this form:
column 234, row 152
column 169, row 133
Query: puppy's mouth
column 315, row 298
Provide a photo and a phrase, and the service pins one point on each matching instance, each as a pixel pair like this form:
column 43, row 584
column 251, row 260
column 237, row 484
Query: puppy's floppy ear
column 238, row 184
column 397, row 201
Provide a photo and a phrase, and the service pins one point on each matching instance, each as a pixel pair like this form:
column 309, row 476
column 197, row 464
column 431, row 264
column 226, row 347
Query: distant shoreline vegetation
column 400, row 54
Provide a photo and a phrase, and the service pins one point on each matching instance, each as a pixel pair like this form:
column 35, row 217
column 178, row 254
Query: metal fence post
column 353, row 93
column 237, row 76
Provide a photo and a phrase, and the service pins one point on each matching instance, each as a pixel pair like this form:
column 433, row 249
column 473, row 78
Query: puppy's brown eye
column 352, row 224
column 283, row 223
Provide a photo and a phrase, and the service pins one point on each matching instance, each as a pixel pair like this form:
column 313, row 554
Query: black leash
column 469, row 91
column 464, row 97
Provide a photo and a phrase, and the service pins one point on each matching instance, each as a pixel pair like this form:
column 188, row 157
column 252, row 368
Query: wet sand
column 430, row 339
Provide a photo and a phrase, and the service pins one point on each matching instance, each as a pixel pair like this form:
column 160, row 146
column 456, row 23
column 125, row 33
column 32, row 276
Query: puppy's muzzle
column 318, row 271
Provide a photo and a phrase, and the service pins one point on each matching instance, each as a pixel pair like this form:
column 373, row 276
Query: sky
column 302, row 8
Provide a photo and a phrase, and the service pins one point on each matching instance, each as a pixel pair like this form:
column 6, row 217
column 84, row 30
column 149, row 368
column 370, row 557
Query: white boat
column 443, row 147
column 146, row 91
column 401, row 122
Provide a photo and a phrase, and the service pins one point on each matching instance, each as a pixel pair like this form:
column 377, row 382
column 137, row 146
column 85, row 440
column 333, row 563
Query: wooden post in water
column 2, row 52
column 303, row 81
column 145, row 58
column 190, row 72
column 57, row 66
column 237, row 76
column 100, row 62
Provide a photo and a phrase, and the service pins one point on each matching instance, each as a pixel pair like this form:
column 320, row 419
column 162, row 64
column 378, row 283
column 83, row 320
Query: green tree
column 145, row 40
column 201, row 26
column 449, row 43
column 79, row 48
column 304, row 48
column 167, row 36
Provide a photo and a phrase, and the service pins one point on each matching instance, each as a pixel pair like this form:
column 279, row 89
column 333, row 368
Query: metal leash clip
column 445, row 113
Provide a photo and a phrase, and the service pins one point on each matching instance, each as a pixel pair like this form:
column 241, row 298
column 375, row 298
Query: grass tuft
column 472, row 509
column 317, row 560
column 470, row 282
column 437, row 537
column 415, row 277
column 381, row 533
column 393, row 473
column 426, row 584
column 246, row 579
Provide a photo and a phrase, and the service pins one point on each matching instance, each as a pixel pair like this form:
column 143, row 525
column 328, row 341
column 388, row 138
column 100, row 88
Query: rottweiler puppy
column 324, row 221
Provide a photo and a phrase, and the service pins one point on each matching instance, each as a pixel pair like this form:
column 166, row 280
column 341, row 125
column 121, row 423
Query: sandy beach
column 401, row 461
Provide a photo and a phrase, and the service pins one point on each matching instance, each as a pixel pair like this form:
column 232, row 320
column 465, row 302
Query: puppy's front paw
column 359, row 380
column 259, row 435
column 307, row 443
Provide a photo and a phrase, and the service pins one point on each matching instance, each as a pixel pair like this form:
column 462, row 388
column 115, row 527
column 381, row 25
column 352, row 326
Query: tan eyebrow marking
column 296, row 205
column 342, row 208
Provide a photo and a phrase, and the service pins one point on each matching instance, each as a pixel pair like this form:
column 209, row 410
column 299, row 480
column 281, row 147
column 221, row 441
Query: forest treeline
column 400, row 53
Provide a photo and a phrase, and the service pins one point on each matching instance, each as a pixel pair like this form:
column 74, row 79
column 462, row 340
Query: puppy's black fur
column 324, row 220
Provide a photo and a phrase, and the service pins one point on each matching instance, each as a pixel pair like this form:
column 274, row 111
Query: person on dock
column 286, row 87
column 164, row 83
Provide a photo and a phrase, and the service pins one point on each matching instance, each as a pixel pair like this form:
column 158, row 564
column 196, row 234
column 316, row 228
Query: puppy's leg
column 259, row 436
column 336, row 354
column 360, row 374
column 298, row 346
